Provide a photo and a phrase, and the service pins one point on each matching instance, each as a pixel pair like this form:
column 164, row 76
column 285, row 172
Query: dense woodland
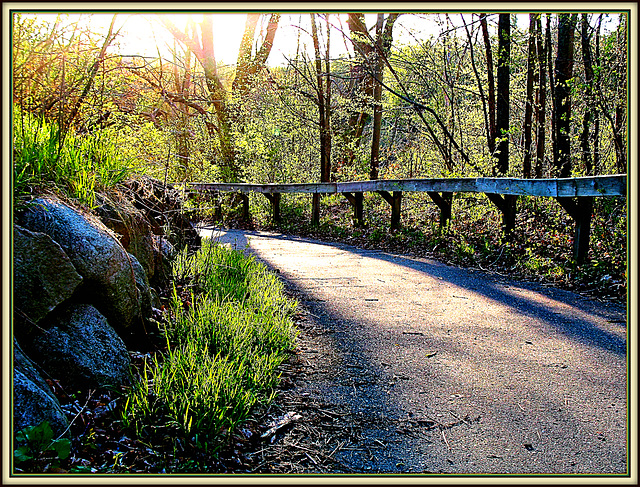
column 483, row 94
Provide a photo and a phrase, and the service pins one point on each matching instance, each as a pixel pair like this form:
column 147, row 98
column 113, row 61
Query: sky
column 228, row 29
column 142, row 34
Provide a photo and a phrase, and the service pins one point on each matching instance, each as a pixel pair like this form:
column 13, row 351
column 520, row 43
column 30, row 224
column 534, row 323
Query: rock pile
column 85, row 287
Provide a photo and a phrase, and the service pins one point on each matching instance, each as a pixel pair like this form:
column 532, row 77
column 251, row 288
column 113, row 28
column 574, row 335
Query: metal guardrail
column 614, row 185
column 574, row 194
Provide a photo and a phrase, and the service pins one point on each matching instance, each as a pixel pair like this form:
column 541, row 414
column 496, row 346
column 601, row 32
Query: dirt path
column 408, row 365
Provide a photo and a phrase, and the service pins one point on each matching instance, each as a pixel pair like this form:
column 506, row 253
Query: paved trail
column 453, row 370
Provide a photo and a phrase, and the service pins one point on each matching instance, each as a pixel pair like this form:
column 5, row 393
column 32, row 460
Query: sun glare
column 144, row 34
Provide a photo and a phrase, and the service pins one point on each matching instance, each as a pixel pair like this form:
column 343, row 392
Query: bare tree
column 562, row 105
column 219, row 98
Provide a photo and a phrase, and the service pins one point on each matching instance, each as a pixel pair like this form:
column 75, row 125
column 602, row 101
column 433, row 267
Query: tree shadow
column 491, row 388
column 541, row 303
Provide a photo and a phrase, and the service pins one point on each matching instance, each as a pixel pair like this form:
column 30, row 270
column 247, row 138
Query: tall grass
column 79, row 166
column 229, row 329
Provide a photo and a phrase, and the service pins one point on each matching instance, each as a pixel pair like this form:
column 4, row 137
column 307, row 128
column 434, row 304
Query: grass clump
column 78, row 164
column 229, row 327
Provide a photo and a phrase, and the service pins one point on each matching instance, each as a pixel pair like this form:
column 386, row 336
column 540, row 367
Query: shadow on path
column 573, row 322
column 459, row 371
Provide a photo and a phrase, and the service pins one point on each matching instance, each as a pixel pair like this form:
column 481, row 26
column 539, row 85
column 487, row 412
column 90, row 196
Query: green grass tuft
column 80, row 166
column 229, row 329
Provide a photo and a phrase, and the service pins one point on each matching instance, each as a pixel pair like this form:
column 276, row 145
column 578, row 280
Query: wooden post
column 507, row 206
column 356, row 201
column 444, row 203
column 245, row 206
column 395, row 201
column 274, row 198
column 580, row 210
column 315, row 210
column 217, row 202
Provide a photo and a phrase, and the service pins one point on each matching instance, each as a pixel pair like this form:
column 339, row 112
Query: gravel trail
column 438, row 369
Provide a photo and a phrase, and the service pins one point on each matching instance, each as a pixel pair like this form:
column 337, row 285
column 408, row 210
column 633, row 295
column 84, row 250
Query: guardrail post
column 217, row 205
column 245, row 206
column 580, row 210
column 315, row 210
column 274, row 198
column 507, row 206
column 356, row 201
column 444, row 203
column 395, row 201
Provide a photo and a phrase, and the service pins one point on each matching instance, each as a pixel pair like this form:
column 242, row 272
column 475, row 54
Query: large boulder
column 142, row 285
column 33, row 400
column 97, row 255
column 44, row 276
column 81, row 349
column 118, row 213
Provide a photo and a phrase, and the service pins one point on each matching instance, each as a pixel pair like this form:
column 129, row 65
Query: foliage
column 229, row 329
column 36, row 445
column 163, row 112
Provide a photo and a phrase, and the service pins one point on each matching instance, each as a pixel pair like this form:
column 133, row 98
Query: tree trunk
column 502, row 100
column 621, row 99
column 552, row 83
column 585, row 136
column 377, row 100
column 528, row 110
column 367, row 77
column 507, row 203
column 361, row 83
column 325, row 141
column 327, row 106
column 596, row 121
column 491, row 83
column 483, row 98
column 248, row 66
column 562, row 114
column 542, row 98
